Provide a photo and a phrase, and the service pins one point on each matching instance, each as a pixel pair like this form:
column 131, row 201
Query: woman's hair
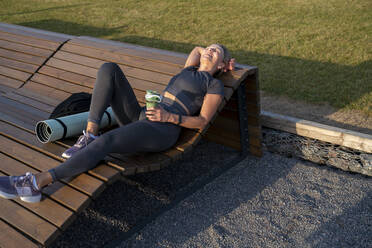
column 226, row 59
column 227, row 55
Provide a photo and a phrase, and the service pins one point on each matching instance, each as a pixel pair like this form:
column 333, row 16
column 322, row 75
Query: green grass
column 312, row 50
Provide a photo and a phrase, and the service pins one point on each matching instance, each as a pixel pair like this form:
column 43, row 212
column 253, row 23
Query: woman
column 190, row 100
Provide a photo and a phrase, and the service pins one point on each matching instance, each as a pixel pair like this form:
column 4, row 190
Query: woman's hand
column 158, row 114
column 230, row 65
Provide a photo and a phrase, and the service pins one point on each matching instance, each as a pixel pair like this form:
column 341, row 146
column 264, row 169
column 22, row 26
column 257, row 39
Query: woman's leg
column 139, row 136
column 112, row 88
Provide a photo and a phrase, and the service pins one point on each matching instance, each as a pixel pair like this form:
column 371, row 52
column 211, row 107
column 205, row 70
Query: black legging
column 134, row 134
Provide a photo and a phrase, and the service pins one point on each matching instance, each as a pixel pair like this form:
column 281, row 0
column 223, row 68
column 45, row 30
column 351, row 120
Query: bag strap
column 64, row 127
column 108, row 117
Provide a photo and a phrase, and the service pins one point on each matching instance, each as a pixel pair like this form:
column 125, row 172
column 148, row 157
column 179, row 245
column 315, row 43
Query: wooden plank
column 10, row 82
column 102, row 171
column 15, row 74
column 33, row 113
column 14, row 119
column 42, row 90
column 48, row 209
column 63, row 194
column 30, row 41
column 37, row 228
column 30, row 68
column 9, row 108
column 113, row 56
column 130, row 49
column 129, row 71
column 59, row 84
column 318, row 131
column 36, row 33
column 20, row 56
column 28, row 137
column 188, row 138
column 25, row 49
column 29, row 101
column 36, row 95
column 67, row 66
column 173, row 153
column 91, row 72
column 67, row 76
column 5, row 89
column 11, row 238
column 85, row 183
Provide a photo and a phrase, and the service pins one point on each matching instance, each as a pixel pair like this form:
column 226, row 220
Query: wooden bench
column 70, row 67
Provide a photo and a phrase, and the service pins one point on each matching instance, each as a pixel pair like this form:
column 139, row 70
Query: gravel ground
column 269, row 202
column 130, row 203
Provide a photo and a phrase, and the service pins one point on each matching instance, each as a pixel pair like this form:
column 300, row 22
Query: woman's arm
column 208, row 109
column 194, row 57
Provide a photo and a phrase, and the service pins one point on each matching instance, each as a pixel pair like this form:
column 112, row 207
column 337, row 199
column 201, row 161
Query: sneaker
column 22, row 186
column 82, row 142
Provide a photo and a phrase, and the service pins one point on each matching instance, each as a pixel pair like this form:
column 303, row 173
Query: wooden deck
column 38, row 70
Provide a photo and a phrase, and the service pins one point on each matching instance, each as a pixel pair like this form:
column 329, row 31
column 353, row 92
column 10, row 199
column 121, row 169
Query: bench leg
column 249, row 116
column 243, row 120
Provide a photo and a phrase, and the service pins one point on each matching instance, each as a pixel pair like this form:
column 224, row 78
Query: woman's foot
column 81, row 143
column 23, row 186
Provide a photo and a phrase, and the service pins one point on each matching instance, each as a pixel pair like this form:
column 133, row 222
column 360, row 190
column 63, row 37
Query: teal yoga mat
column 68, row 126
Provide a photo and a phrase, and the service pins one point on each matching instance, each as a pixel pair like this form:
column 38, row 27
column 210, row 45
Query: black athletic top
column 190, row 87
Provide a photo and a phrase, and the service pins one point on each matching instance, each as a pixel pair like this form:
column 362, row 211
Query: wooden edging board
column 314, row 130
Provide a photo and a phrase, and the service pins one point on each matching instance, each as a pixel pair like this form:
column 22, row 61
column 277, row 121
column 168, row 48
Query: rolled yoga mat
column 68, row 126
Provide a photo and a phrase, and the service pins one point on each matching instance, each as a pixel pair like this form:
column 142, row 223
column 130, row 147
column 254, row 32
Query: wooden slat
column 27, row 40
column 15, row 74
column 42, row 90
column 129, row 49
column 83, row 182
column 25, row 49
column 102, row 171
column 20, row 56
column 30, row 68
column 67, row 76
column 116, row 57
column 187, row 139
column 67, row 66
column 36, row 33
column 48, row 209
column 11, row 238
column 9, row 108
column 14, row 119
column 129, row 71
column 37, row 228
column 59, row 84
column 28, row 101
column 10, row 82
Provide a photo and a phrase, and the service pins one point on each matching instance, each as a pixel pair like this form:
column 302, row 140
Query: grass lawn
column 312, row 50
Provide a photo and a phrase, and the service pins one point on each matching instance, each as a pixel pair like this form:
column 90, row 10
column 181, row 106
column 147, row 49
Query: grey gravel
column 127, row 203
column 269, row 202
